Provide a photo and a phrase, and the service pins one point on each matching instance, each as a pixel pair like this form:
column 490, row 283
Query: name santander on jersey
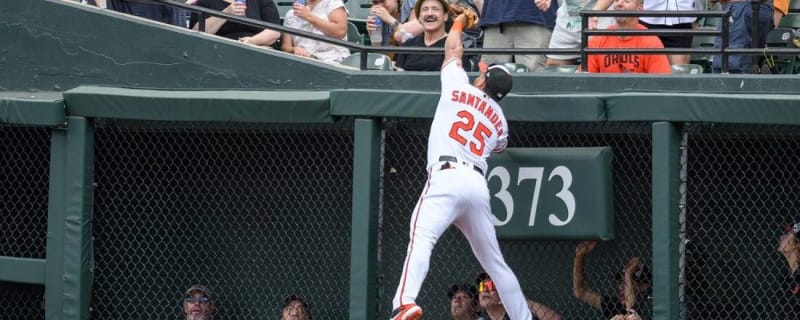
column 479, row 104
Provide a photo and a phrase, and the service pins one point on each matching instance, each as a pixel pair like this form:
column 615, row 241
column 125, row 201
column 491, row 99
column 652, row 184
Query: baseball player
column 468, row 125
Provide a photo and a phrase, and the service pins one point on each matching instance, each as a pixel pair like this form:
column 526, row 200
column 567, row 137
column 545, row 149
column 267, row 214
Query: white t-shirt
column 317, row 49
column 467, row 124
column 668, row 5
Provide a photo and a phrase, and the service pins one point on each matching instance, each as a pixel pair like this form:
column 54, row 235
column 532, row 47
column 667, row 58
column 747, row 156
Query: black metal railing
column 723, row 33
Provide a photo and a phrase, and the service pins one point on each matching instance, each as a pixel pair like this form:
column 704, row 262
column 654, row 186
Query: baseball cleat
column 409, row 311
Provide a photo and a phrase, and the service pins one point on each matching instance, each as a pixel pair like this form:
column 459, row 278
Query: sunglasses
column 486, row 285
column 200, row 300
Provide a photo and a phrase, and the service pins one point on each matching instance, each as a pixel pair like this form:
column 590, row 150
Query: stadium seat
column 687, row 69
column 781, row 38
column 358, row 11
column 703, row 59
column 375, row 61
column 711, row 21
column 791, row 20
column 515, row 67
column 567, row 68
column 283, row 7
column 794, row 6
column 353, row 35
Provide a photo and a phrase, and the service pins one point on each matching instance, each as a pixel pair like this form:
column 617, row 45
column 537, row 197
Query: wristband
column 457, row 26
column 395, row 24
column 482, row 67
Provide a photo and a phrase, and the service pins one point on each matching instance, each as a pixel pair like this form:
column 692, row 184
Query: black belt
column 451, row 159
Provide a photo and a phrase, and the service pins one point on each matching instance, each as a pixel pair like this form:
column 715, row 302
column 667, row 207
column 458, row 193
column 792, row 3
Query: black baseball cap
column 498, row 82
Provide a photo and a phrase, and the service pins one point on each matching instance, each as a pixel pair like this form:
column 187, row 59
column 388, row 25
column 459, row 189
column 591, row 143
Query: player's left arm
column 453, row 47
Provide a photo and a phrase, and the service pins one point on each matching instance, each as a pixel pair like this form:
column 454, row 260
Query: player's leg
column 432, row 215
column 477, row 227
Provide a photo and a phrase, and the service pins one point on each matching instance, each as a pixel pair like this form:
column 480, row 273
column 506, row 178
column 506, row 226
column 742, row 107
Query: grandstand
column 140, row 158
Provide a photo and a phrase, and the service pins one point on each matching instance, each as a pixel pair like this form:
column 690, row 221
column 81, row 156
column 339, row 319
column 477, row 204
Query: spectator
column 789, row 247
column 264, row 10
column 197, row 303
column 434, row 13
column 627, row 62
column 153, row 11
column 673, row 23
column 741, row 35
column 463, row 302
column 494, row 309
column 781, row 8
column 518, row 24
column 295, row 307
column 634, row 286
column 389, row 13
column 567, row 32
column 323, row 17
column 411, row 27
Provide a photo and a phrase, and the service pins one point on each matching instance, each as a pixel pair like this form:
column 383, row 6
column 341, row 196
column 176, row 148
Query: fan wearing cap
column 197, row 303
column 493, row 308
column 633, row 284
column 789, row 247
column 432, row 15
column 467, row 127
column 295, row 307
column 463, row 302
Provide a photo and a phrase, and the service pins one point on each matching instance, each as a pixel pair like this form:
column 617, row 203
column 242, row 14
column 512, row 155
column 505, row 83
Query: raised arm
column 579, row 287
column 453, row 47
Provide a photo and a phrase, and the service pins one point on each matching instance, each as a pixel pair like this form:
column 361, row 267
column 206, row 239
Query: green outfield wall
column 139, row 159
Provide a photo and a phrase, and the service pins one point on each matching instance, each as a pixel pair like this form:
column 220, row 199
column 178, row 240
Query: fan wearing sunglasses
column 493, row 308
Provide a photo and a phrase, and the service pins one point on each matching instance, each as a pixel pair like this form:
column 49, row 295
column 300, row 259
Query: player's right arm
column 579, row 287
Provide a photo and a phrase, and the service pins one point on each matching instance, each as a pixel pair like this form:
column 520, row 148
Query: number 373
column 534, row 173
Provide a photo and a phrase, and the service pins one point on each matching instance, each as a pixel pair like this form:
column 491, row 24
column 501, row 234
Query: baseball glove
column 470, row 17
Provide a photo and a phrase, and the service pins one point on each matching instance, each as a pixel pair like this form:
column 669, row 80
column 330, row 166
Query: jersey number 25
column 468, row 124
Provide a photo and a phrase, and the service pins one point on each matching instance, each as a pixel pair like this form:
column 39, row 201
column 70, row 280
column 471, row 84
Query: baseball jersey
column 467, row 124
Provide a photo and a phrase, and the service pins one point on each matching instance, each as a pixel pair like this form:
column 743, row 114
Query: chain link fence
column 254, row 212
column 257, row 212
column 544, row 268
column 742, row 185
column 24, row 166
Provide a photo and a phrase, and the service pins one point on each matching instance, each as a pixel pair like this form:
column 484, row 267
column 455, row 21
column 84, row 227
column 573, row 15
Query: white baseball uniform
column 467, row 127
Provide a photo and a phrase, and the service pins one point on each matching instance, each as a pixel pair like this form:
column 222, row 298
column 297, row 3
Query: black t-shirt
column 424, row 62
column 264, row 10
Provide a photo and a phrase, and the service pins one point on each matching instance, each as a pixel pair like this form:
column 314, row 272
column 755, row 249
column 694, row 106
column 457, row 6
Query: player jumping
column 467, row 127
